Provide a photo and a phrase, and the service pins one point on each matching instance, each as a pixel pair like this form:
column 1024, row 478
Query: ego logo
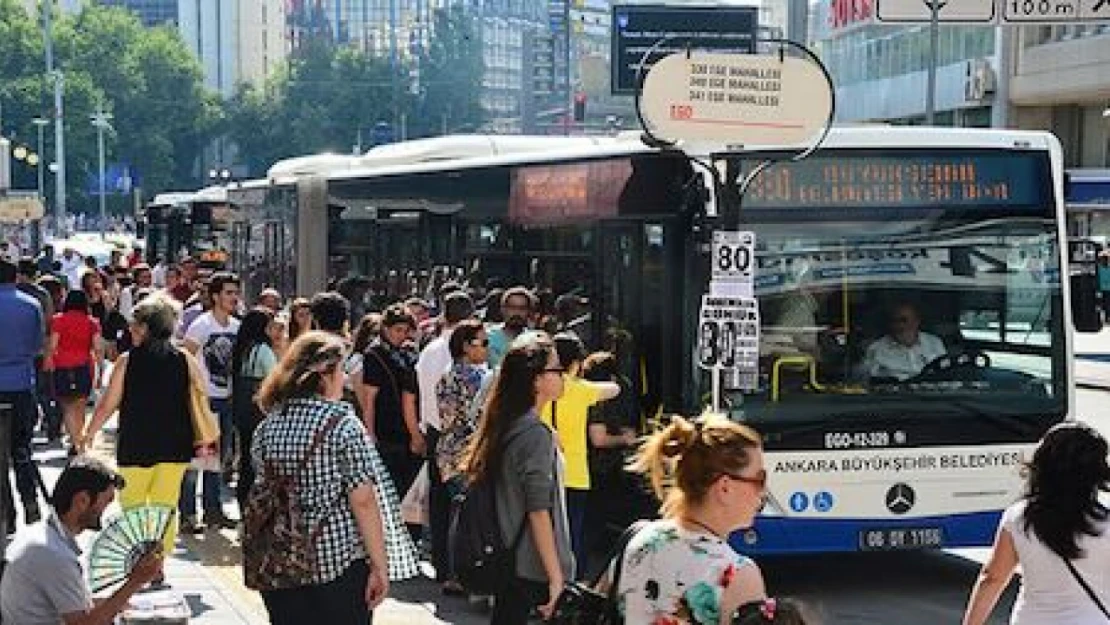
column 900, row 498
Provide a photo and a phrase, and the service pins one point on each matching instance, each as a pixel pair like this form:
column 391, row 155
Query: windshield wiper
column 1015, row 423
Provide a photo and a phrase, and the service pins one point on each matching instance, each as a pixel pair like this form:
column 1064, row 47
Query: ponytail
column 684, row 459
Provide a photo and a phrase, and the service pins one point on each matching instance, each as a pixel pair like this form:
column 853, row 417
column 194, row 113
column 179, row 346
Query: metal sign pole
column 934, row 38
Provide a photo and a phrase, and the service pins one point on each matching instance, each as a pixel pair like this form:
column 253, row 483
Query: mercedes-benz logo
column 900, row 498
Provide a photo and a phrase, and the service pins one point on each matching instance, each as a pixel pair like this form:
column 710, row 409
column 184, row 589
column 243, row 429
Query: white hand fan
column 124, row 541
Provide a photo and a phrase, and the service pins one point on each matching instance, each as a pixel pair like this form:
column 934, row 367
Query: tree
column 146, row 78
column 331, row 95
column 451, row 74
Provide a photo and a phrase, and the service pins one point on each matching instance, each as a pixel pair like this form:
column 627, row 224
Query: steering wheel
column 943, row 367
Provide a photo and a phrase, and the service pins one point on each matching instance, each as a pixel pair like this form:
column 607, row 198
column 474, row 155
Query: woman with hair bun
column 1057, row 533
column 709, row 474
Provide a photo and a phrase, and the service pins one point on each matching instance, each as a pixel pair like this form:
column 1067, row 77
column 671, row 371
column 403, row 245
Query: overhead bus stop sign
column 737, row 99
column 638, row 28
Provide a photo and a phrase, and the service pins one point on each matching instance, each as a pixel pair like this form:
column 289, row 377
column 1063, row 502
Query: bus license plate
column 894, row 539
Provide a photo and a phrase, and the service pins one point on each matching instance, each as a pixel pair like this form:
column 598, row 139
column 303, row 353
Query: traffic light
column 580, row 107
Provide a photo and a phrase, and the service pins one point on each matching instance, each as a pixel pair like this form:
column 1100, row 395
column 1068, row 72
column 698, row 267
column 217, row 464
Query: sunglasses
column 554, row 370
column 760, row 479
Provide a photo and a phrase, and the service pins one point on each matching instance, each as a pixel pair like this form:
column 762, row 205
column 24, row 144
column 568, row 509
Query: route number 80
column 736, row 259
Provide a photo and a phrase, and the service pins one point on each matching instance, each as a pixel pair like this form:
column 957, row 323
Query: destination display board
column 910, row 179
column 636, row 28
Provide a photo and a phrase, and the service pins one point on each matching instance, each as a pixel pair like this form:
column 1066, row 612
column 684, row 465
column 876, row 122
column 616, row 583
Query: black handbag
column 581, row 604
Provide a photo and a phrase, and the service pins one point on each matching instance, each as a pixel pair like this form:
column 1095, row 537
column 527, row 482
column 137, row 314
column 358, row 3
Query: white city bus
column 962, row 228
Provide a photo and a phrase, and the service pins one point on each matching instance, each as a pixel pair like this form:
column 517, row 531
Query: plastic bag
column 414, row 507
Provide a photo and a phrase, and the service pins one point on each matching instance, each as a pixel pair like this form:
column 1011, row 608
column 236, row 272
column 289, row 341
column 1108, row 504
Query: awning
column 14, row 210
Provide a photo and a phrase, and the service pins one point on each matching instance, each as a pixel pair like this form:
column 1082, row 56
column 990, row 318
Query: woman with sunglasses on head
column 1057, row 533
column 681, row 569
column 515, row 449
column 469, row 347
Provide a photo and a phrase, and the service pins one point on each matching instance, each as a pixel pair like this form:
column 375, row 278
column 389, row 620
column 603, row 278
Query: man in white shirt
column 73, row 266
column 434, row 362
column 44, row 583
column 143, row 278
column 905, row 350
column 211, row 338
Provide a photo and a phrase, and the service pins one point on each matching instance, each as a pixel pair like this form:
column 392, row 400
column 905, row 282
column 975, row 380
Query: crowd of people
column 354, row 406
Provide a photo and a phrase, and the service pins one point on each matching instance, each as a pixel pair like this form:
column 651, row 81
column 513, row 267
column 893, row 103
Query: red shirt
column 76, row 333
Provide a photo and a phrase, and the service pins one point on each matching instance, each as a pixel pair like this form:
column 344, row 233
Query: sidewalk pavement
column 206, row 571
column 1092, row 359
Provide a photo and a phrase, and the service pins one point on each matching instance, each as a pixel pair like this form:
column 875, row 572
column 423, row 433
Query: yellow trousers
column 159, row 484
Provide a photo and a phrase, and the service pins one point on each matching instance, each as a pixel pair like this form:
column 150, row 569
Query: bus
column 956, row 236
column 198, row 224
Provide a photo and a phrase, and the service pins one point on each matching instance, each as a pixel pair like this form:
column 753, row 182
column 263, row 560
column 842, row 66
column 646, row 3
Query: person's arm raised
column 105, row 612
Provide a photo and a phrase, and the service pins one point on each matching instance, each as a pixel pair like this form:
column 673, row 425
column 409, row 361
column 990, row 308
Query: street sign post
column 728, row 324
column 1055, row 11
column 733, row 258
column 950, row 12
column 987, row 12
column 737, row 99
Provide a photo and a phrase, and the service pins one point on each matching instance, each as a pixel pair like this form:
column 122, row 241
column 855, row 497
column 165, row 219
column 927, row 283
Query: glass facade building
column 879, row 70
column 150, row 12
column 876, row 51
column 400, row 28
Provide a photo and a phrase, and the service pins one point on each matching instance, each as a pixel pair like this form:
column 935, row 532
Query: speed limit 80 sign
column 733, row 256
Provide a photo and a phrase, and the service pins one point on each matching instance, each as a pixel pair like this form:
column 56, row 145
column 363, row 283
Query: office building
column 150, row 12
column 1061, row 83
column 236, row 42
column 880, row 70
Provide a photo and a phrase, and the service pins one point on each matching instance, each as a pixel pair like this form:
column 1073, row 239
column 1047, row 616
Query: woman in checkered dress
column 311, row 434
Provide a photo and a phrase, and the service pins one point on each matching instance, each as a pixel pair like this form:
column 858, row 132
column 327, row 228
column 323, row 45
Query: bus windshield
column 887, row 315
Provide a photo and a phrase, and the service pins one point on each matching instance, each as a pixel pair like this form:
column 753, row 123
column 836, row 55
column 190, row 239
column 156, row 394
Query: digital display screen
column 567, row 193
column 912, row 179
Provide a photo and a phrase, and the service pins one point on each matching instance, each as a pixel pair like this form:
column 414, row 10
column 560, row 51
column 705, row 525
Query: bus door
column 274, row 265
column 639, row 307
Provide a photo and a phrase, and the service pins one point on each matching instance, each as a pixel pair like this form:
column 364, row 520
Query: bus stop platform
column 205, row 570
column 1092, row 359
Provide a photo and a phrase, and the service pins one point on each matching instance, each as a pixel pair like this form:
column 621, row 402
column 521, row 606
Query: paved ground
column 205, row 571
column 910, row 588
column 1092, row 362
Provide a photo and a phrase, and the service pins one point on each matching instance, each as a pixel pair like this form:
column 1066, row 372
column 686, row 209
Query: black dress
column 154, row 422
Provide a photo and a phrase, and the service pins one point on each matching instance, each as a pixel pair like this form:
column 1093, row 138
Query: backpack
column 278, row 548
column 482, row 562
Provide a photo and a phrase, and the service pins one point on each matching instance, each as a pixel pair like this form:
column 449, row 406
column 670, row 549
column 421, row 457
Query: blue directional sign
column 823, row 501
column 799, row 502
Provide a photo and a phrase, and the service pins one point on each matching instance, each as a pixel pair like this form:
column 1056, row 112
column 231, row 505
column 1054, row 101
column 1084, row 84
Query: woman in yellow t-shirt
column 569, row 416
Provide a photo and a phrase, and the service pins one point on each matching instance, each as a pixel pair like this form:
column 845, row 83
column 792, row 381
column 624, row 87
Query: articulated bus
column 958, row 233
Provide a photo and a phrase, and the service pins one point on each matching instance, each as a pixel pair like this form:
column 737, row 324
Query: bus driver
column 905, row 350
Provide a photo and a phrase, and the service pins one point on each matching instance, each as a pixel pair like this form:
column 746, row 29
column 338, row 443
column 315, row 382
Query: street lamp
column 40, row 125
column 220, row 176
column 101, row 120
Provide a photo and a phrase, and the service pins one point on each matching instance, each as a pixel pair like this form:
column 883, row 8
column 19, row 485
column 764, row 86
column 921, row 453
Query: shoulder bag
column 206, row 428
column 1090, row 591
column 580, row 604
column 279, row 550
